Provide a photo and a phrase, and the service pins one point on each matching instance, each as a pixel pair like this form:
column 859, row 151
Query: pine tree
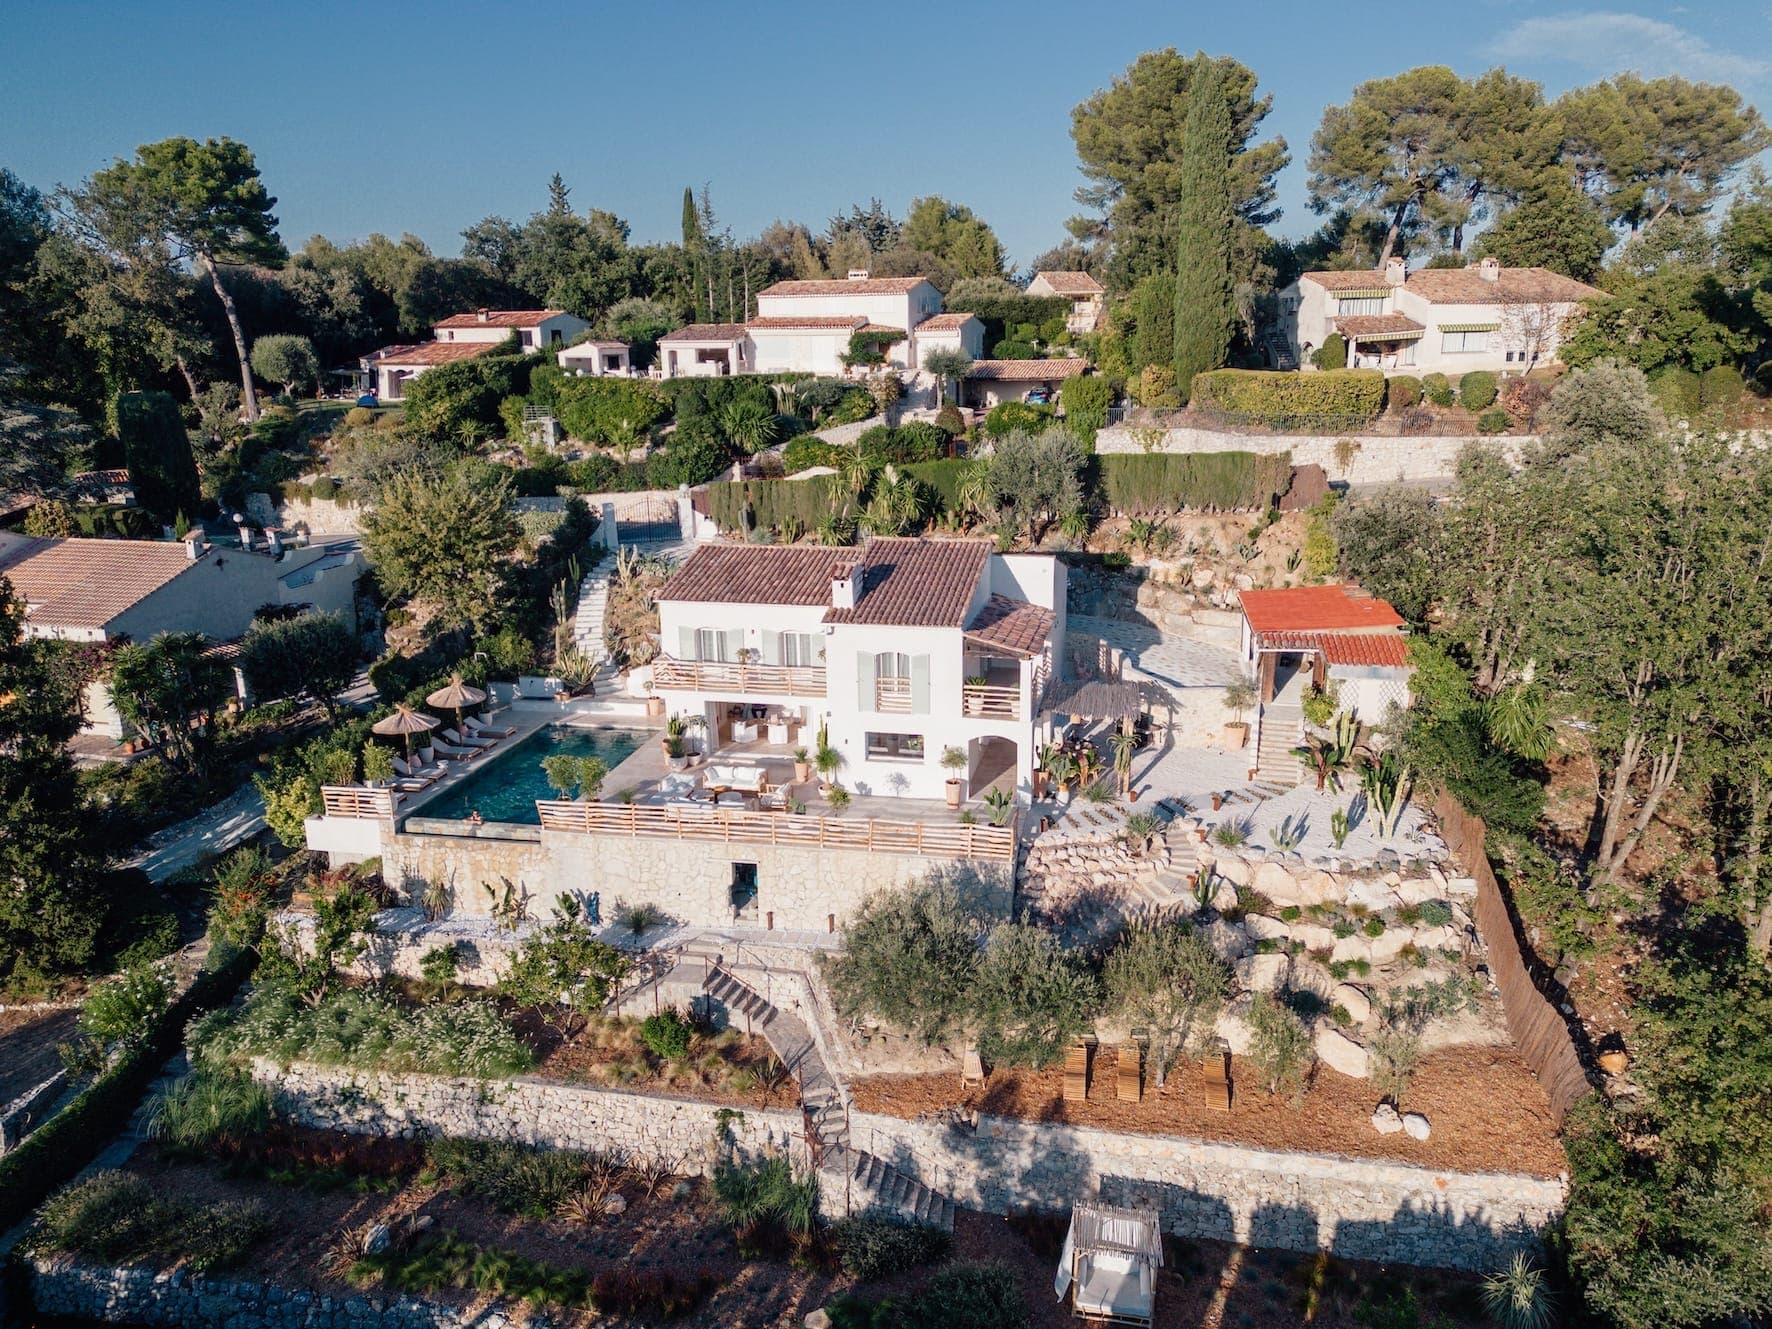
column 558, row 197
column 1205, row 308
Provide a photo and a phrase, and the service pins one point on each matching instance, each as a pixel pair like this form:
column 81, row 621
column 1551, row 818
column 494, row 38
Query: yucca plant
column 1290, row 833
column 1519, row 1295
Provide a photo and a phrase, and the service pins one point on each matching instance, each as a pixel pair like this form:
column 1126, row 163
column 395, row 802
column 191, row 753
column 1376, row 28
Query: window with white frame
column 1462, row 343
column 892, row 664
column 895, row 747
column 711, row 644
column 800, row 649
column 1360, row 304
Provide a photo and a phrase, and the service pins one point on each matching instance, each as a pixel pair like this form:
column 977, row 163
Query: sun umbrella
column 457, row 697
column 406, row 722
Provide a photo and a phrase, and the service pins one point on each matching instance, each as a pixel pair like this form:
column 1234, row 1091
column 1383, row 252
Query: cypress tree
column 1205, row 309
column 157, row 451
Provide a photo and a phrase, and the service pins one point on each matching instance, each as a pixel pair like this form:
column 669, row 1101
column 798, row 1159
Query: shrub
column 1403, row 391
column 518, row 1179
column 909, row 958
column 1015, row 350
column 1435, row 913
column 758, row 1196
column 209, row 1106
column 1007, row 417
column 1523, row 398
column 443, row 1260
column 1494, row 422
column 1437, row 388
column 1156, row 484
column 1031, row 996
column 965, row 1296
column 115, row 1218
column 949, row 420
column 1086, row 399
column 1476, row 390
column 878, row 1246
column 359, row 417
column 808, row 450
column 1156, row 388
column 325, row 488
column 1721, row 386
column 1679, row 392
column 1275, row 398
column 690, row 459
column 1279, row 1045
column 1332, row 354
column 667, row 1035
column 440, row 964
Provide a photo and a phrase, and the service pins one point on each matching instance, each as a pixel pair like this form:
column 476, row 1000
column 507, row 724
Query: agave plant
column 1329, row 756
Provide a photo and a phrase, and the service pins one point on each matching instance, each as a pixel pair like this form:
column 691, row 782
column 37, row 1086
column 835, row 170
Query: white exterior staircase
column 1282, row 730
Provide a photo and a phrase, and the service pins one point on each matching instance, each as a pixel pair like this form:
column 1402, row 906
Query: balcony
column 990, row 703
column 739, row 680
column 892, row 696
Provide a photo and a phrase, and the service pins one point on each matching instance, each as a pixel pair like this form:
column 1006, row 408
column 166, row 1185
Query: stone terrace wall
column 527, row 1111
column 1358, row 1208
column 181, row 1298
column 1379, row 460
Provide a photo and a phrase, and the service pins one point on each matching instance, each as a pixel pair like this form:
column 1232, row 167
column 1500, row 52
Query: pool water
column 507, row 786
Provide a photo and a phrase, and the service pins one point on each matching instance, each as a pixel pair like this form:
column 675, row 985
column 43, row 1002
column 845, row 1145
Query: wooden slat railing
column 745, row 680
column 892, row 696
column 350, row 800
column 990, row 703
column 739, row 826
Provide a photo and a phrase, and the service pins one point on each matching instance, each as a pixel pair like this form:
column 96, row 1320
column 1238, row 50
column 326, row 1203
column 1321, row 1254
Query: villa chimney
column 484, row 315
column 1489, row 269
column 194, row 543
column 274, row 539
column 1395, row 272
column 245, row 530
column 858, row 274
column 844, row 586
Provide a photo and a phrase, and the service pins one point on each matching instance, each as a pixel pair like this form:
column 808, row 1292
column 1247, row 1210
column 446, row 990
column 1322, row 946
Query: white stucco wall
column 892, row 310
column 793, row 350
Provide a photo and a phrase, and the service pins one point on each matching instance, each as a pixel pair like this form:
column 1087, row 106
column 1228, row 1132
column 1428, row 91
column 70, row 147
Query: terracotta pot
column 1041, row 781
column 802, row 772
column 1615, row 1062
column 953, row 793
column 655, row 706
column 1132, row 795
column 1217, row 802
column 1236, row 734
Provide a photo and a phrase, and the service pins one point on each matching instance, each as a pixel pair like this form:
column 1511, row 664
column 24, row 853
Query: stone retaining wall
column 529, row 1111
column 1379, row 459
column 181, row 1299
column 1358, row 1208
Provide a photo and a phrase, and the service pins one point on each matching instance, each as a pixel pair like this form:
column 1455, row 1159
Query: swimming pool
column 506, row 788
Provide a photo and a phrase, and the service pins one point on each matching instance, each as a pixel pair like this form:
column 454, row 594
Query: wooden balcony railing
column 738, row 826
column 351, row 800
column 892, row 696
column 988, row 703
column 742, row 680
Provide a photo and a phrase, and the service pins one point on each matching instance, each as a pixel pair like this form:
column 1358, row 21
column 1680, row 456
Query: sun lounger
column 971, row 1070
column 474, row 727
column 1218, row 1081
column 468, row 741
column 1128, row 1086
column 1076, row 1073
column 455, row 753
column 416, row 776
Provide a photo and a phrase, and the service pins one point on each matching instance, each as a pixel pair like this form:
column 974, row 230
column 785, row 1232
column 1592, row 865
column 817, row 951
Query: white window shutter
column 920, row 684
column 864, row 678
column 770, row 642
column 734, row 643
column 686, row 643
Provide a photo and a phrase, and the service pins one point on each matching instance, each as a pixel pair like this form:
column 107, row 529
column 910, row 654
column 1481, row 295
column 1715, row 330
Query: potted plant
column 1043, row 769
column 676, row 732
column 827, row 761
column 1001, row 803
column 802, row 766
column 1064, row 770
column 837, row 796
column 378, row 765
column 1125, row 743
column 1238, row 698
column 654, row 702
column 676, row 752
column 953, row 760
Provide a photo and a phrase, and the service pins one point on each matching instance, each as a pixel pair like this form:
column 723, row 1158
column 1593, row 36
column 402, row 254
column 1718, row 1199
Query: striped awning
column 1363, row 293
column 1470, row 327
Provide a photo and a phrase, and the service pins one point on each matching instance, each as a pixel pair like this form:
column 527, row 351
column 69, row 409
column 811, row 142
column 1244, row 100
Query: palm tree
column 750, row 424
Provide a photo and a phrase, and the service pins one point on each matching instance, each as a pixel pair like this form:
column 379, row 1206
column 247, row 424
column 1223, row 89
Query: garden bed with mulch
column 1487, row 1110
column 611, row 1053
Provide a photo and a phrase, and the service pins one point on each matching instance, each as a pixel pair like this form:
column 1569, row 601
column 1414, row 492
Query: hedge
column 70, row 1139
column 943, row 477
column 1277, row 397
column 1722, row 385
column 1155, row 484
column 1403, row 391
column 1000, row 314
column 1476, row 390
column 916, row 441
column 1086, row 399
column 1437, row 388
column 1332, row 354
column 809, row 450
column 771, row 502
column 1497, row 421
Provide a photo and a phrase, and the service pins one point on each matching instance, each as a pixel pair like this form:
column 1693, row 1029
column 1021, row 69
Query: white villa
column 1449, row 320
column 596, row 359
column 464, row 336
column 808, row 326
column 900, row 650
column 1085, row 294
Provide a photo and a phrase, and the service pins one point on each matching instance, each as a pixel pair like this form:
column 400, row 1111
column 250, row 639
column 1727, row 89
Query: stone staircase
column 821, row 1101
column 1280, row 351
column 1166, row 885
column 587, row 628
column 1282, row 730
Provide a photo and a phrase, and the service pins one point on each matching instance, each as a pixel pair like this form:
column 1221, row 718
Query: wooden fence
column 349, row 800
column 1536, row 1026
column 867, row 833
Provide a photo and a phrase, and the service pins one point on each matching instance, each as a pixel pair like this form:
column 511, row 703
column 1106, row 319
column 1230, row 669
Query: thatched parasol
column 406, row 722
column 457, row 697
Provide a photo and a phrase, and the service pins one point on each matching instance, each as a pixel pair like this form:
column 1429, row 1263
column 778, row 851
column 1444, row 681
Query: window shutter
column 920, row 684
column 864, row 678
column 734, row 643
column 770, row 642
column 686, row 643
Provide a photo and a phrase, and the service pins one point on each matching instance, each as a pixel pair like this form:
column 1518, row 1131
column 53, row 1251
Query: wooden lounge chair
column 1218, row 1081
column 468, row 741
column 971, row 1070
column 415, row 776
column 1076, row 1073
column 455, row 753
column 473, row 726
column 1129, row 1083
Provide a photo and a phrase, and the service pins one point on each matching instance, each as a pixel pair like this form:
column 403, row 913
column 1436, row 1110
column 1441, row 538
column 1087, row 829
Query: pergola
column 1109, row 1264
column 1102, row 699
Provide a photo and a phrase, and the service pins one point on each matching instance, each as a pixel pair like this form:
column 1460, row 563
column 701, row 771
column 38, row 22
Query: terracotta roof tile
column 949, row 322
column 707, row 332
column 916, row 583
column 1465, row 286
column 1017, row 626
column 1377, row 325
column 438, row 353
column 753, row 574
column 80, row 583
column 842, row 286
column 786, row 324
column 501, row 318
column 1025, row 371
column 1359, row 279
column 1070, row 283
column 1316, row 609
column 1389, row 650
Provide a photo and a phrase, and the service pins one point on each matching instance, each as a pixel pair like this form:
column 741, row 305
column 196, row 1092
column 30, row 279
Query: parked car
column 368, row 399
column 1038, row 397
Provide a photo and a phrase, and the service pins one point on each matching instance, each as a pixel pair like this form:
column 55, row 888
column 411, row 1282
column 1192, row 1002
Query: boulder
column 377, row 1240
column 1227, row 942
column 1224, row 897
column 1369, row 891
column 1232, row 868
column 1353, row 1000
column 1416, row 1125
column 1419, row 890
column 615, row 1204
column 1264, row 927
column 1263, row 973
column 1232, row 1026
column 1434, row 939
column 1340, row 1053
column 1356, row 947
column 1387, row 945
column 1313, row 936
column 819, row 1319
column 1461, row 888
column 1385, row 1120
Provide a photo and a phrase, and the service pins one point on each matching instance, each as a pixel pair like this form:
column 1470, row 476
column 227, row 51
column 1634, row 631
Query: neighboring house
column 1083, row 291
column 808, row 327
column 464, row 336
column 131, row 590
column 1324, row 635
column 596, row 359
column 111, row 487
column 990, row 382
column 900, row 649
column 1449, row 320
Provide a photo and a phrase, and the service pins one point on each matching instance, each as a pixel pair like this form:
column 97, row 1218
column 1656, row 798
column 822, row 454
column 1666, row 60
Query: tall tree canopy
column 183, row 201
column 446, row 541
column 1205, row 307
column 1131, row 138
column 955, row 235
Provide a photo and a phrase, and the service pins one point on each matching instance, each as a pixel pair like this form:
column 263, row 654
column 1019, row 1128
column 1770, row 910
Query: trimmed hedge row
column 70, row 1139
column 771, row 502
column 1156, row 484
column 1280, row 395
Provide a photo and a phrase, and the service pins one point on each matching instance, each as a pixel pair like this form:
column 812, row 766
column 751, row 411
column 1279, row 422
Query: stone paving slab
column 1174, row 661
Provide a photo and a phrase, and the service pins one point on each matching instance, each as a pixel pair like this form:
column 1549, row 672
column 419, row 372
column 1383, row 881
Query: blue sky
column 426, row 117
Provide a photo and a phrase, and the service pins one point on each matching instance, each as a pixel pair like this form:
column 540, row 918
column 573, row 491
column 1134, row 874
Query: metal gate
column 648, row 520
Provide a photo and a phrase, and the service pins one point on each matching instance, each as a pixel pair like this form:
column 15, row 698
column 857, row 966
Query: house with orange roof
column 1331, row 637
column 1083, row 291
column 466, row 336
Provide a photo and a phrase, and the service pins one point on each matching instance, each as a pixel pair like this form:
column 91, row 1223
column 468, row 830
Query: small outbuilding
column 1109, row 1264
column 1302, row 636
